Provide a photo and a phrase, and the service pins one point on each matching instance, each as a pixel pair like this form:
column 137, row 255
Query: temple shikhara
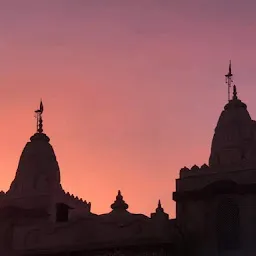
column 215, row 203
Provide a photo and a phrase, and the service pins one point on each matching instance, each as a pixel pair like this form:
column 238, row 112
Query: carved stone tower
column 38, row 174
column 216, row 204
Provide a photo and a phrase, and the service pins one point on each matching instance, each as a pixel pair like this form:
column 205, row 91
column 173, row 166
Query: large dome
column 38, row 171
column 234, row 137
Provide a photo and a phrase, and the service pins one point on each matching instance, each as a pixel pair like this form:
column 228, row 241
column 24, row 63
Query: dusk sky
column 132, row 89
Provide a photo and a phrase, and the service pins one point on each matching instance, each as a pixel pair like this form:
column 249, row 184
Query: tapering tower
column 215, row 204
column 38, row 171
column 234, row 140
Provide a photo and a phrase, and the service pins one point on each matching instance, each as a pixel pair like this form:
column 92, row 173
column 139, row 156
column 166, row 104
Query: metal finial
column 40, row 125
column 234, row 93
column 229, row 79
column 39, row 120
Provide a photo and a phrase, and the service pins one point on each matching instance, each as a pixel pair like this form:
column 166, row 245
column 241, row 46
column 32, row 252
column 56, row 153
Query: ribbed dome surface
column 38, row 171
column 234, row 138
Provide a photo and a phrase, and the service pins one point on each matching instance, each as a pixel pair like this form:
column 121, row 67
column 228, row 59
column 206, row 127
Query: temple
column 215, row 203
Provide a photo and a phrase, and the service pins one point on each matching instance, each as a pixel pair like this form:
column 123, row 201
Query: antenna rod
column 229, row 79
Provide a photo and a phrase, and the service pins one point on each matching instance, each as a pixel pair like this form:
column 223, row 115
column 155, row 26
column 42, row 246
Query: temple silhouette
column 215, row 203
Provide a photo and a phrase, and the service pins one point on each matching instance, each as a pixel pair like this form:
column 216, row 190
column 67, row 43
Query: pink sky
column 132, row 90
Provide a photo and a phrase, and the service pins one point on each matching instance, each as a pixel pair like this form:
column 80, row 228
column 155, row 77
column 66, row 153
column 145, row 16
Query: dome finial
column 159, row 207
column 39, row 120
column 159, row 212
column 234, row 93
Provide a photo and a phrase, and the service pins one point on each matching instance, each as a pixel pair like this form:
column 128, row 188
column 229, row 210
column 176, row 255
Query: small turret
column 119, row 204
column 159, row 214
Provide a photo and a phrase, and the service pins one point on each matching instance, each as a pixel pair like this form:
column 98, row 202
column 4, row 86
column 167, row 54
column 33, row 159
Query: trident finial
column 39, row 120
column 229, row 80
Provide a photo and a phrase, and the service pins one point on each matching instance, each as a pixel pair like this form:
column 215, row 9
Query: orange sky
column 132, row 90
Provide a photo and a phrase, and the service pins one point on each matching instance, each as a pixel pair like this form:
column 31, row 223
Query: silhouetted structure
column 62, row 212
column 215, row 204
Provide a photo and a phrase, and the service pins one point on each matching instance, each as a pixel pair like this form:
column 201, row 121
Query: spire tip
column 39, row 120
column 229, row 79
column 234, row 93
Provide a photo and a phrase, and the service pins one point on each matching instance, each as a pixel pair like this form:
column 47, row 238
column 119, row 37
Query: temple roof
column 234, row 139
column 160, row 212
column 119, row 203
column 234, row 112
column 38, row 170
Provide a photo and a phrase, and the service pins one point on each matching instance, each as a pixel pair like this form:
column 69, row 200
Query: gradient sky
column 132, row 90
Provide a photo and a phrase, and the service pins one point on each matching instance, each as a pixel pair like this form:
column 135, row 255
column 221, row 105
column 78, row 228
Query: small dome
column 234, row 134
column 160, row 212
column 119, row 203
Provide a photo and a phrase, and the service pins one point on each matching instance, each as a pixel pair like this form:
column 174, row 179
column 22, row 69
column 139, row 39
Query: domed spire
column 233, row 137
column 160, row 212
column 38, row 170
column 119, row 203
column 159, row 207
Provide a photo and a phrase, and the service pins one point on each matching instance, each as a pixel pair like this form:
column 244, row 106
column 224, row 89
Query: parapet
column 194, row 171
column 76, row 203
